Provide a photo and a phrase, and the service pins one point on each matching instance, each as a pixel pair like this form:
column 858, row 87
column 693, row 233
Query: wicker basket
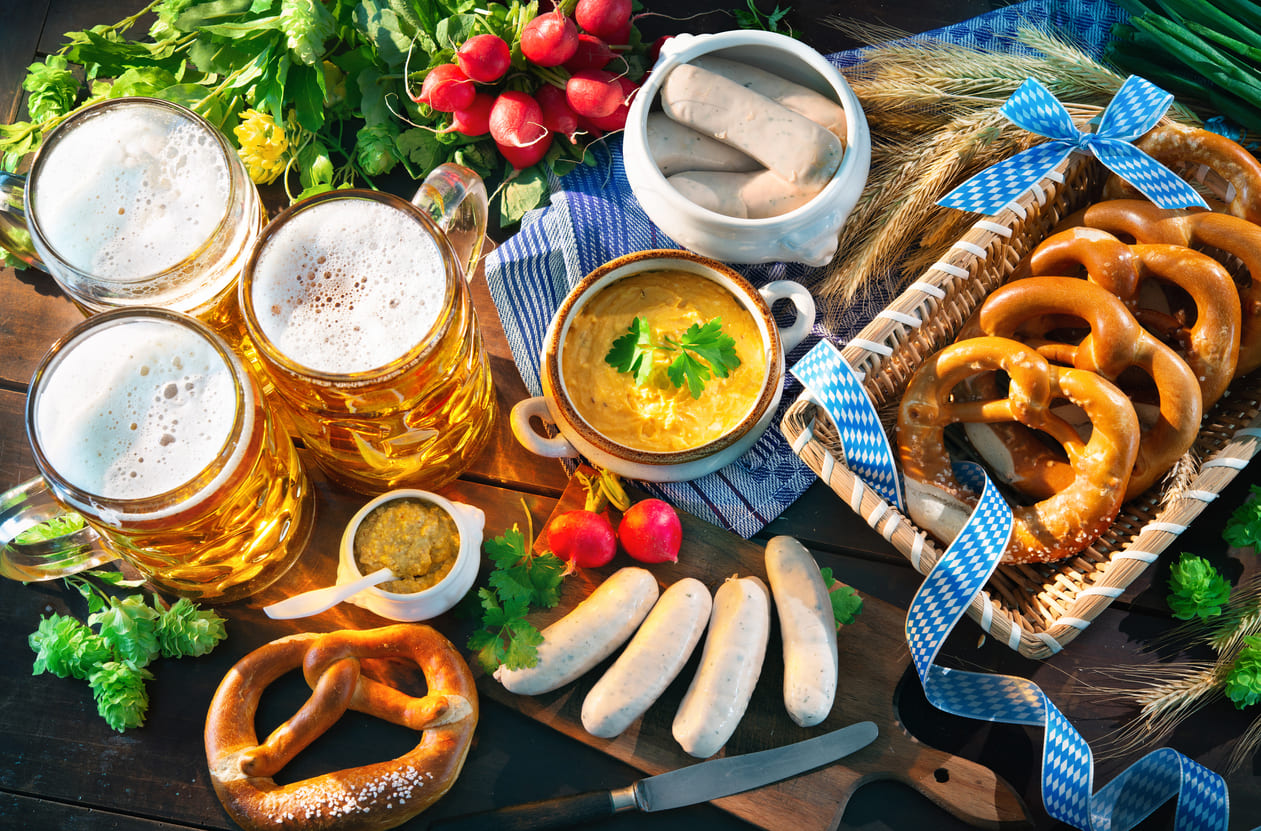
column 1035, row 609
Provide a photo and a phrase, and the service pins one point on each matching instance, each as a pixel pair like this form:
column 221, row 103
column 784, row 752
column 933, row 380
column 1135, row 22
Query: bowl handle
column 552, row 448
column 800, row 297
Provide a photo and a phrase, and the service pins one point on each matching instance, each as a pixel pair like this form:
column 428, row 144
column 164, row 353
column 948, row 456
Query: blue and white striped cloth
column 593, row 217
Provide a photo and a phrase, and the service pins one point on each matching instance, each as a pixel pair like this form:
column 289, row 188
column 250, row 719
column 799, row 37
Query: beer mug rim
column 65, row 127
column 425, row 342
column 139, row 508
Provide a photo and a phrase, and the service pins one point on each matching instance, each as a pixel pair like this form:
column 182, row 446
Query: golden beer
column 148, row 425
column 364, row 325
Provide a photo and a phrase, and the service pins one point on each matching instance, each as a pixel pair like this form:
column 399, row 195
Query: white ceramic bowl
column 808, row 234
column 577, row 437
column 421, row 605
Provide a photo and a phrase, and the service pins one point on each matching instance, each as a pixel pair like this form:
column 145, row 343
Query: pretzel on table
column 375, row 796
column 1065, row 522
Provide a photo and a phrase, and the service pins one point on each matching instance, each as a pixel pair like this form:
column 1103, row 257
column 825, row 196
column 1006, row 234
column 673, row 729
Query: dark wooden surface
column 61, row 767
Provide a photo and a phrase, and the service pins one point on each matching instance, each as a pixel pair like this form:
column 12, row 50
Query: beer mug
column 137, row 202
column 358, row 306
column 145, row 423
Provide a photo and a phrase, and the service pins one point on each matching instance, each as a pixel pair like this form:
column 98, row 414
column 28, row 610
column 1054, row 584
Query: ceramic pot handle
column 531, row 439
column 800, row 297
column 454, row 196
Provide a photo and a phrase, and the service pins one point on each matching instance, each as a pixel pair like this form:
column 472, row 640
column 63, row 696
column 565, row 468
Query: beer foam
column 135, row 410
column 131, row 191
column 348, row 285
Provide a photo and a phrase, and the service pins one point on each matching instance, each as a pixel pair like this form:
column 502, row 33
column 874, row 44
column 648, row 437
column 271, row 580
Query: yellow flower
column 263, row 146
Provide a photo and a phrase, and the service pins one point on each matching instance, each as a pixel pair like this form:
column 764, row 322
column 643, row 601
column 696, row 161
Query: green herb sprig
column 846, row 602
column 702, row 352
column 121, row 638
column 519, row 582
column 752, row 17
column 1197, row 589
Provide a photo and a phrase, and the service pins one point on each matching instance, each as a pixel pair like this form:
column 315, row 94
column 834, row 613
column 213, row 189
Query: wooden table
column 62, row 767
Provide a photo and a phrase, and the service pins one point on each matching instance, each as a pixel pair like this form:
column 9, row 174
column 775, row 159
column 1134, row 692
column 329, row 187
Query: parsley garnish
column 846, row 603
column 520, row 581
column 702, row 352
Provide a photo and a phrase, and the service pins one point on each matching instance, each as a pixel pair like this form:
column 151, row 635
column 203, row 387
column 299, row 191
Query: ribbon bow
column 1135, row 109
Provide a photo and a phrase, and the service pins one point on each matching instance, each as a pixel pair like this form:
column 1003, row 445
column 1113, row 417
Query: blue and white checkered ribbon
column 943, row 598
column 1135, row 109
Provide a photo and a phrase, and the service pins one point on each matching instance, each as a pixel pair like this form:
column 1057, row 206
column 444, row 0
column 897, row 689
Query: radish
column 474, row 120
column 651, row 532
column 557, row 115
column 582, row 538
column 446, row 88
column 525, row 156
column 593, row 93
column 616, row 120
column 516, row 120
column 592, row 53
column 484, row 58
column 549, row 39
column 603, row 18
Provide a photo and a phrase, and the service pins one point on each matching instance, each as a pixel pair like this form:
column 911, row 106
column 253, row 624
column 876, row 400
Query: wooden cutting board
column 873, row 659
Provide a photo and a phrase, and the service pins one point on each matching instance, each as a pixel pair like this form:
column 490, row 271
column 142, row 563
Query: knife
column 700, row 782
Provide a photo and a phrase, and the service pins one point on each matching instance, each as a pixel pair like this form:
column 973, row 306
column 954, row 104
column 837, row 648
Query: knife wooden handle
column 561, row 812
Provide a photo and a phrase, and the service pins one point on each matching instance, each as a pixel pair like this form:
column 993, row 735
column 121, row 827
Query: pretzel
column 1239, row 238
column 1183, row 149
column 376, row 796
column 1058, row 526
column 1209, row 345
column 1115, row 343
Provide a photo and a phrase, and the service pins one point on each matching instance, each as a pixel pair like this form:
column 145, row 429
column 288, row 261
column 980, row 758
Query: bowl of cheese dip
column 652, row 421
column 747, row 147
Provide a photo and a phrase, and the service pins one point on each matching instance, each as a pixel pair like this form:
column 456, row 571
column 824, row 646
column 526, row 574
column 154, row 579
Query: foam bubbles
column 131, row 191
column 136, row 409
column 348, row 285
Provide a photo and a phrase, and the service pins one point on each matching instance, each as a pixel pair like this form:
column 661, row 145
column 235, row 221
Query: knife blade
column 690, row 785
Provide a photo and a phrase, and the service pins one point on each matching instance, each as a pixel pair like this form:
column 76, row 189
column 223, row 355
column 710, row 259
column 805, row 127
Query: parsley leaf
column 1197, row 589
column 846, row 602
column 701, row 353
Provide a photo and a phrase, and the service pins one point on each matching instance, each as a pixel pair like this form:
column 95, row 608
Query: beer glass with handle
column 147, row 424
column 137, row 202
column 358, row 304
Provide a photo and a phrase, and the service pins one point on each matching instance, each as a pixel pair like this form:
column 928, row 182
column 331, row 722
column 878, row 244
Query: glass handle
column 455, row 197
column 15, row 235
column 29, row 504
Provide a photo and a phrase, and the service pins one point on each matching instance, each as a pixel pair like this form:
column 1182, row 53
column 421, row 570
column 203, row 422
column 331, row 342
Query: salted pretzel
column 1145, row 223
column 1061, row 524
column 1114, row 344
column 1184, row 149
column 376, row 796
column 1209, row 343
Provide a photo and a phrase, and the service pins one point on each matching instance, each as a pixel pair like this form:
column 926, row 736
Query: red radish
column 484, row 58
column 593, row 93
column 651, row 532
column 603, row 18
column 616, row 120
column 557, row 116
column 582, row 538
column 654, row 51
column 549, row 39
column 446, row 88
column 516, row 119
column 527, row 155
column 474, row 120
column 592, row 53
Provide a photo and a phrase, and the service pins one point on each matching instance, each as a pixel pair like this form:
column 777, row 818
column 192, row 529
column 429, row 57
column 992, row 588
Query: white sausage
column 731, row 662
column 651, row 660
column 802, row 100
column 745, row 195
column 808, row 628
column 792, row 145
column 675, row 147
column 588, row 634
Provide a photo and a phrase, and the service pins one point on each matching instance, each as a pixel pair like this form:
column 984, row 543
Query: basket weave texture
column 1035, row 609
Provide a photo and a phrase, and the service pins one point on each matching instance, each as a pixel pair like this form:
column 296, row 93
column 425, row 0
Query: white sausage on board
column 588, row 634
column 653, row 658
column 808, row 627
